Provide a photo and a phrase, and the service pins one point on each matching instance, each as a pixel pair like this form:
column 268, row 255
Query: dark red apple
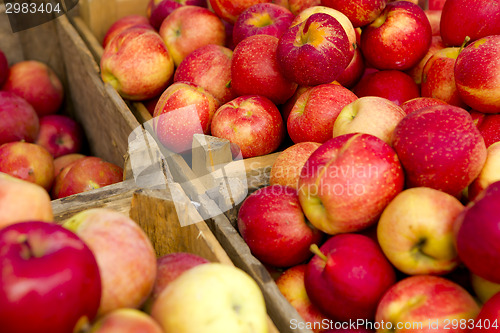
column 159, row 9
column 18, row 119
column 488, row 319
column 490, row 129
column 60, row 135
column 4, row 68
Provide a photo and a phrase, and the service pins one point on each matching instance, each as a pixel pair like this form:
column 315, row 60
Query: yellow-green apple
column 416, row 71
column 348, row 276
column 125, row 320
column 483, row 288
column 287, row 167
column 50, row 279
column 462, row 18
column 477, row 73
column 4, row 68
column 488, row 319
column 373, row 115
column 422, row 242
column 439, row 147
column 18, row 119
column 125, row 23
column 353, row 72
column 436, row 4
column 158, row 10
column 14, row 204
column 184, row 109
column 227, row 300
column 398, row 38
column 315, row 51
column 63, row 161
column 346, row 183
column 394, row 85
column 434, row 17
column 273, row 225
column 210, row 68
column 188, row 28
column 489, row 174
column 291, row 284
column 137, row 64
column 489, row 126
column 315, row 111
column 124, row 254
column 297, row 6
column 477, row 233
column 418, row 103
column 262, row 18
column 85, row 174
column 425, row 303
column 359, row 12
column 438, row 77
column 37, row 84
column 60, row 135
column 255, row 70
column 27, row 161
column 251, row 122
column 229, row 10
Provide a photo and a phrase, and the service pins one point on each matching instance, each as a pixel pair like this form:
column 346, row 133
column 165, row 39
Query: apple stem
column 466, row 40
column 315, row 249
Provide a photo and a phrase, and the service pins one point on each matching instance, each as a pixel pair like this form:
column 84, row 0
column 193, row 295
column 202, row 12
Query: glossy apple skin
column 315, row 51
column 477, row 234
column 489, row 126
column 416, row 71
column 425, row 299
column 124, row 23
column 158, row 10
column 477, row 74
column 448, row 155
column 387, row 46
column 4, row 68
column 359, row 12
column 313, row 116
column 255, row 70
column 418, row 103
column 489, row 173
column 126, row 321
column 18, row 119
column 489, row 316
column 60, row 135
column 349, row 284
column 347, row 182
column 58, row 276
column 353, row 72
column 229, row 10
column 476, row 19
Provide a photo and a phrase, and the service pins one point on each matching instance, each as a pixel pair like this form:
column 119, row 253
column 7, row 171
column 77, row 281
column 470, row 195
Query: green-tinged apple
column 14, row 204
column 137, row 64
column 125, row 23
column 287, row 167
column 425, row 303
column 124, row 254
column 188, row 28
column 18, row 119
column 489, row 174
column 60, row 135
column 4, row 68
column 227, row 301
column 273, row 225
column 229, row 10
column 415, row 231
column 126, row 320
column 418, row 103
column 63, row 161
column 483, row 288
column 439, row 147
column 158, row 10
column 373, row 115
column 313, row 116
column 346, row 183
column 416, row 71
column 488, row 319
column 359, row 12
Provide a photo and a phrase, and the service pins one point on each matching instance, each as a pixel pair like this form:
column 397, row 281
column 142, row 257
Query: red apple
column 18, row 119
column 37, row 84
column 63, row 161
column 126, row 321
column 353, row 72
column 360, row 12
column 440, row 147
column 387, row 45
column 229, row 10
column 489, row 174
column 348, row 276
column 418, row 103
column 50, row 279
column 416, row 71
column 255, row 70
column 158, row 10
column 4, row 68
column 60, row 135
column 286, row 108
column 434, row 17
column 436, row 4
column 125, row 23
column 490, row 129
column 252, row 122
column 298, row 6
column 488, row 319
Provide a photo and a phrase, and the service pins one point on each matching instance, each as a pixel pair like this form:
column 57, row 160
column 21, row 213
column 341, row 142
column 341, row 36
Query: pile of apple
column 37, row 143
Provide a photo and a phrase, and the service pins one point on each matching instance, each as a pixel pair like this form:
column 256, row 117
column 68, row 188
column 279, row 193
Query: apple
column 394, row 85
column 137, row 64
column 14, row 204
column 489, row 174
column 262, row 18
column 18, row 119
column 125, row 321
column 252, row 123
column 418, row 103
column 4, row 68
column 124, row 23
column 436, row 4
column 227, row 300
column 359, row 12
column 373, row 115
column 425, row 302
column 434, row 17
column 65, row 160
column 273, row 225
column 346, row 183
column 488, row 318
column 439, row 147
column 188, row 28
column 287, row 167
column 476, row 19
column 60, row 135
column 37, row 84
column 353, row 72
column 348, row 276
column 255, row 70
column 286, row 108
column 298, row 6
column 184, row 109
column 483, row 288
column 229, row 10
column 477, row 74
column 313, row 116
column 50, row 279
column 124, row 254
column 477, row 234
column 27, row 161
column 158, row 10
column 416, row 71
column 490, row 128
column 387, row 45
column 210, row 68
